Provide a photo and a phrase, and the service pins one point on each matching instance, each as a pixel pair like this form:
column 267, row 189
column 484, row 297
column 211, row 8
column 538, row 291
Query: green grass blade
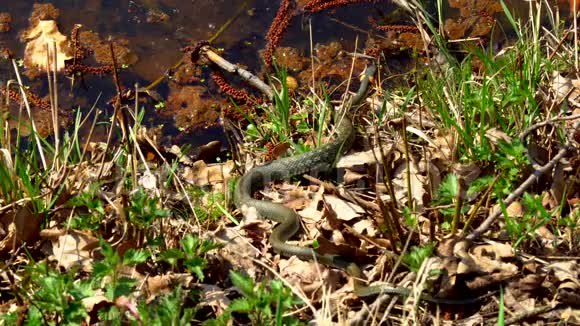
column 510, row 18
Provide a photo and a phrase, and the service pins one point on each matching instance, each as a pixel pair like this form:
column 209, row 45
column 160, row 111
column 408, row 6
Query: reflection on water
column 156, row 30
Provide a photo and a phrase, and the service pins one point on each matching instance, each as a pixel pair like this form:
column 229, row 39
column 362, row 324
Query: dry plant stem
column 356, row 28
column 431, row 192
column 117, row 106
column 387, row 180
column 555, row 51
column 313, row 70
column 418, row 287
column 53, row 97
column 575, row 36
column 175, row 177
column 65, row 171
column 123, row 122
column 478, row 204
column 533, row 178
column 410, row 204
column 370, row 208
column 360, row 317
column 27, row 106
column 91, row 131
column 388, row 218
column 55, row 108
column 387, row 312
column 393, row 222
column 527, row 314
column 16, row 289
column 235, row 69
column 550, row 122
column 137, row 148
column 364, row 237
column 347, row 195
column 458, row 205
column 20, row 202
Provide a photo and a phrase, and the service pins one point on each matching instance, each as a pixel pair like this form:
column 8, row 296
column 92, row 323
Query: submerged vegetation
column 462, row 183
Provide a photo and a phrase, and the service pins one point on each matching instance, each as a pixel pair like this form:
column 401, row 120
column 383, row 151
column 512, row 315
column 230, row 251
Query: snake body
column 319, row 159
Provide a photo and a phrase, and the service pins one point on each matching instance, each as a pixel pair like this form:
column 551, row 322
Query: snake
column 319, row 159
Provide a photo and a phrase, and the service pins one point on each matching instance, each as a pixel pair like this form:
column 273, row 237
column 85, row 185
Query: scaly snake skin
column 320, row 159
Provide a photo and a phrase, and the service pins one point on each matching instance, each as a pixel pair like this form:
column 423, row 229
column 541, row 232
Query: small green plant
column 208, row 204
column 415, row 257
column 22, row 176
column 280, row 125
column 169, row 309
column 279, row 115
column 192, row 254
column 511, row 160
column 53, row 298
column 534, row 216
column 107, row 273
column 446, row 194
column 90, row 209
column 261, row 304
column 144, row 209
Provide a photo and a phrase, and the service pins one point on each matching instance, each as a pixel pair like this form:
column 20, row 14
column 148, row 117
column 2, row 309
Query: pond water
column 155, row 30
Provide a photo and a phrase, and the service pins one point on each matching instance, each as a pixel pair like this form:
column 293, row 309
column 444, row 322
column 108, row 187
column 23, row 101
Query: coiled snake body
column 319, row 159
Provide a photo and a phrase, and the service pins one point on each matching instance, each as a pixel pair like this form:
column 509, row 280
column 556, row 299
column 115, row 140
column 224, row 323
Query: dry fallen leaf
column 201, row 174
column 487, row 260
column 94, row 303
column 305, row 274
column 214, row 297
column 417, row 182
column 74, row 249
column 361, row 158
column 237, row 249
column 161, row 284
column 366, row 227
column 565, row 271
column 495, row 135
column 494, row 250
column 41, row 37
column 297, row 198
column 559, row 184
column 148, row 181
column 570, row 316
column 21, row 226
column 351, row 177
column 445, row 146
column 312, row 214
column 565, row 87
column 345, row 211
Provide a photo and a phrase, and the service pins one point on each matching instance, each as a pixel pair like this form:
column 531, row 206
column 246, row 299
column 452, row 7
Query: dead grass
column 462, row 183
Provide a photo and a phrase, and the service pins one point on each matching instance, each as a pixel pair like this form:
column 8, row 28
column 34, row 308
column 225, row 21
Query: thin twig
column 550, row 122
column 533, row 178
column 235, row 69
column 528, row 314
column 362, row 314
